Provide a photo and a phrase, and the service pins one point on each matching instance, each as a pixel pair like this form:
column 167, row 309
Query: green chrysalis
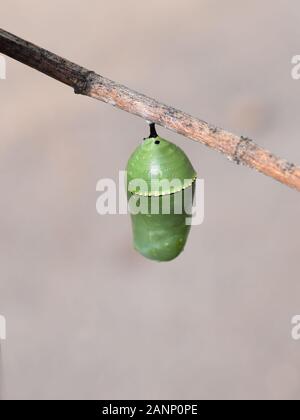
column 160, row 189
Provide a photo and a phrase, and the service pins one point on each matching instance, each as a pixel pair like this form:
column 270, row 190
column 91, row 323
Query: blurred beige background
column 87, row 317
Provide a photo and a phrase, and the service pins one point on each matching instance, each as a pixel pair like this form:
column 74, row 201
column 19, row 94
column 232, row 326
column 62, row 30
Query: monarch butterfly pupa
column 159, row 235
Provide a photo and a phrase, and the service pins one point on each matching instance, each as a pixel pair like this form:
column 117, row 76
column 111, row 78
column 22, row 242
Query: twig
column 239, row 149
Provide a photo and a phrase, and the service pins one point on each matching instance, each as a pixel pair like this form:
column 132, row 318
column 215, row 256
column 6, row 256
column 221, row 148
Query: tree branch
column 239, row 149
